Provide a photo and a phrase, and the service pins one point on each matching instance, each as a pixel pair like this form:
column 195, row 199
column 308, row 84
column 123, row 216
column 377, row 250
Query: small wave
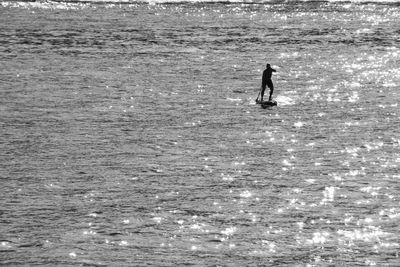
column 234, row 99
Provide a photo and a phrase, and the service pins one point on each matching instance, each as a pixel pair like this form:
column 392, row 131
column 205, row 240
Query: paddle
column 258, row 95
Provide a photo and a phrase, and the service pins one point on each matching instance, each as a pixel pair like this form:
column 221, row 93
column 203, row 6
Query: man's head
column 268, row 66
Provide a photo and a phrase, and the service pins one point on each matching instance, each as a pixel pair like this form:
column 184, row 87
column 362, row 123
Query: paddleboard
column 265, row 104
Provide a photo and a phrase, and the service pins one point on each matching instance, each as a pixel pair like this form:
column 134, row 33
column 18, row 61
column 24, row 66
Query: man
column 266, row 80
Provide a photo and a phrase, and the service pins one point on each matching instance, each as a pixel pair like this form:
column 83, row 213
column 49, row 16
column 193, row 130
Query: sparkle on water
column 131, row 137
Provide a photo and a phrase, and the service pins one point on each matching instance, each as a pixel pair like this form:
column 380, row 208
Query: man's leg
column 262, row 93
column 271, row 90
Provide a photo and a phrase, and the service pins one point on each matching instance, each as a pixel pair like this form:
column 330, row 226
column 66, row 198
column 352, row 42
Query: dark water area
column 130, row 134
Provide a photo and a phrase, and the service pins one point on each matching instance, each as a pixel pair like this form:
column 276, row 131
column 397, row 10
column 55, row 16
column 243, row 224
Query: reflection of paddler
column 266, row 80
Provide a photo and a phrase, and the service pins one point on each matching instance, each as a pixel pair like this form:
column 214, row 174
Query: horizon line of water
column 256, row 2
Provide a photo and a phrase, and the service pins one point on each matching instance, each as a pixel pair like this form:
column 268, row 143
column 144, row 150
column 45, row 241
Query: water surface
column 130, row 136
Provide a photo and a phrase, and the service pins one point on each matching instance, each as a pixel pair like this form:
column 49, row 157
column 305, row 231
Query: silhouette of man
column 266, row 80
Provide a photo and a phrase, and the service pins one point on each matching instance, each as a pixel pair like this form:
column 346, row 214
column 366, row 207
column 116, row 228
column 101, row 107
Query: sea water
column 130, row 134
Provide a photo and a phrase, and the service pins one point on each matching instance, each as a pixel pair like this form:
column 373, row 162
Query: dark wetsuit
column 266, row 80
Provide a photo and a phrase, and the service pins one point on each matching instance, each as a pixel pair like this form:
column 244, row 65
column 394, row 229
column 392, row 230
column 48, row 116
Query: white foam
column 368, row 234
column 5, row 244
column 234, row 99
column 298, row 124
column 329, row 194
column 246, row 194
column 319, row 238
column 284, row 100
column 229, row 230
column 123, row 243
column 72, row 255
column 157, row 219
